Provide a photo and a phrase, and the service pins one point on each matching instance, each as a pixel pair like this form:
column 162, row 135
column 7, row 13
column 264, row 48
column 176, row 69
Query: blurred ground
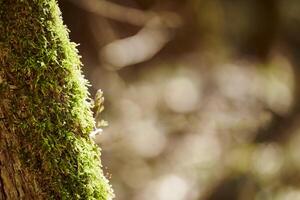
column 202, row 96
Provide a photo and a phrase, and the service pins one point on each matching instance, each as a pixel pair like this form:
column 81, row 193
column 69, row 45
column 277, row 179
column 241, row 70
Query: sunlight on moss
column 51, row 114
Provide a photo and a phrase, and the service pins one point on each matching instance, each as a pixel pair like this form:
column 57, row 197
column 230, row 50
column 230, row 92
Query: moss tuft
column 46, row 101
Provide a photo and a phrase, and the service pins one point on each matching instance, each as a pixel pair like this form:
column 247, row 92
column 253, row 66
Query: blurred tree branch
column 147, row 42
column 156, row 31
column 125, row 14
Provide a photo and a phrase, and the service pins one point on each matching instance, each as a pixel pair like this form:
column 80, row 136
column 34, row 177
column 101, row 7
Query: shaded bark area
column 15, row 182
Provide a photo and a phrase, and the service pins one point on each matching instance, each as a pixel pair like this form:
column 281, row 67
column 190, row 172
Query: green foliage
column 45, row 95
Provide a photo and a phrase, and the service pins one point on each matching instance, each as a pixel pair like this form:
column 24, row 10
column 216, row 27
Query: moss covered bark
column 45, row 119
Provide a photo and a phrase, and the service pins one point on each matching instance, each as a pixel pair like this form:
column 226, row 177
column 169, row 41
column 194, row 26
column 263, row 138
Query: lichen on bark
column 45, row 118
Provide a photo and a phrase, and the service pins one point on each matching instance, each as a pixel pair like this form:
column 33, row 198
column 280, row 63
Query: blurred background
column 202, row 96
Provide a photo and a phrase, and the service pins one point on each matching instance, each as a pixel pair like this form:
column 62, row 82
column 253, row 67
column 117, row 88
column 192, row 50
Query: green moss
column 47, row 106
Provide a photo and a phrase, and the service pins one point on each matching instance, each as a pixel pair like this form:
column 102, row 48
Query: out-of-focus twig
column 137, row 48
column 126, row 14
column 116, row 12
column 102, row 31
column 156, row 31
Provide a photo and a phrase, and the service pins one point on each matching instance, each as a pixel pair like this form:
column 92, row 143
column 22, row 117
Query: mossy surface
column 44, row 96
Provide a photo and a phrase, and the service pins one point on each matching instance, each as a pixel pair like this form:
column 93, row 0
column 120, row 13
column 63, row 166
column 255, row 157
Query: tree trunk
column 45, row 119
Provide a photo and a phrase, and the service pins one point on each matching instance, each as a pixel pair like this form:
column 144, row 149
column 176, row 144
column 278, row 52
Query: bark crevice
column 2, row 191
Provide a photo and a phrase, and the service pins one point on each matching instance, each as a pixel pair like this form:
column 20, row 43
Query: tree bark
column 45, row 119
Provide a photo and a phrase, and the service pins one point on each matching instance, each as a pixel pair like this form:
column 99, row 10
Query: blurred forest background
column 202, row 96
